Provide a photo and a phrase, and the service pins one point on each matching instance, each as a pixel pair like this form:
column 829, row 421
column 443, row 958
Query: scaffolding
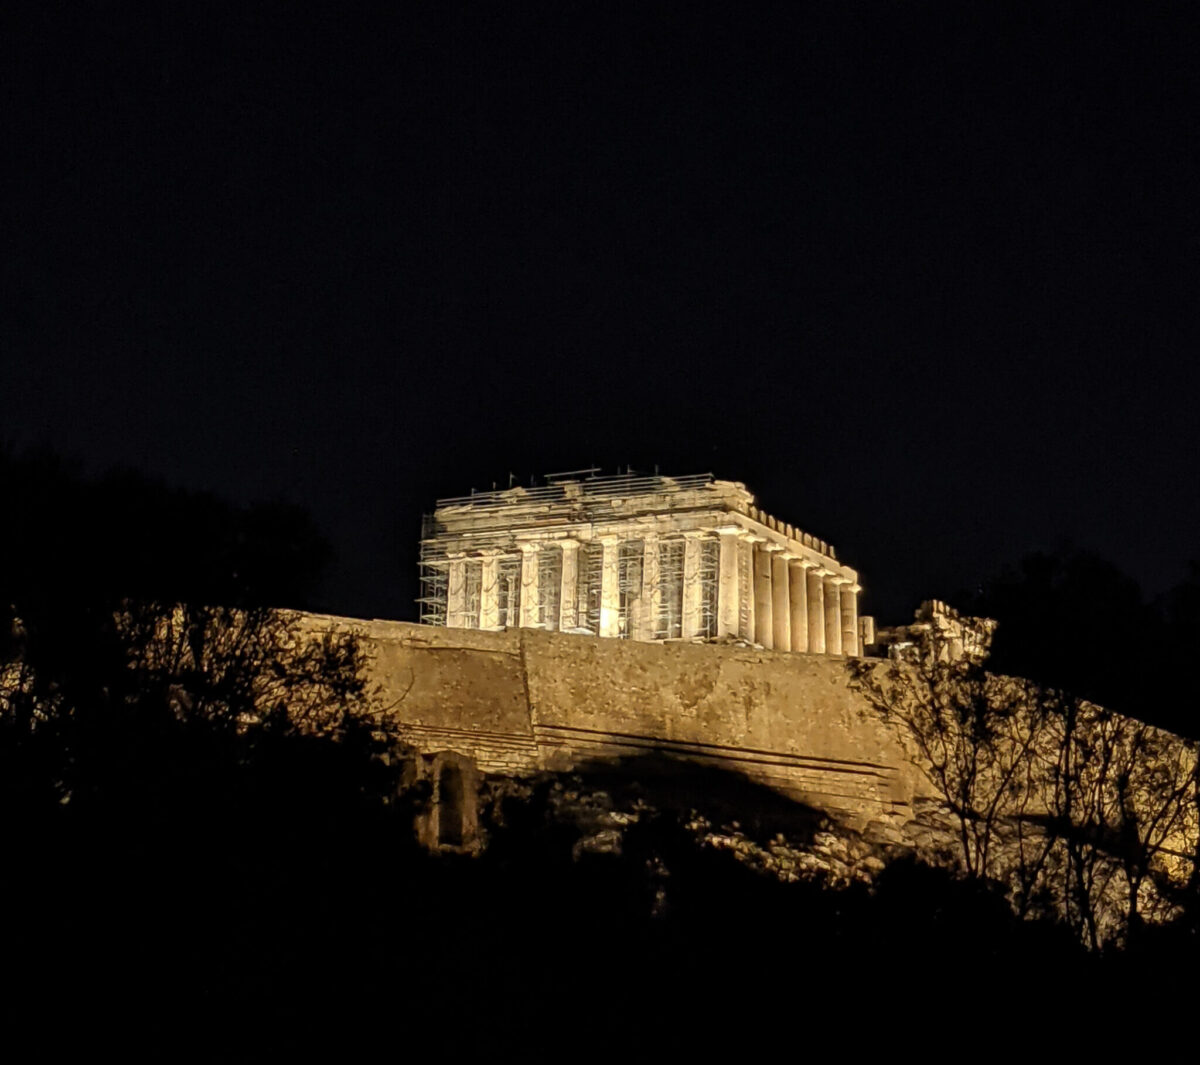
column 672, row 593
column 603, row 489
column 710, row 571
column 434, row 577
column 630, row 557
column 472, row 589
column 549, row 587
column 669, row 623
column 745, row 578
column 587, row 590
column 508, row 577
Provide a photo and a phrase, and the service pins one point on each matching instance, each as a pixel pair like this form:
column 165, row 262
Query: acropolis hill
column 603, row 617
column 595, row 622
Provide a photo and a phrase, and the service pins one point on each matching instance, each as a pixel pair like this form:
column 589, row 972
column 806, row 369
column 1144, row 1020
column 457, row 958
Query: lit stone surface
column 781, row 607
column 636, row 558
column 816, row 611
column 524, row 701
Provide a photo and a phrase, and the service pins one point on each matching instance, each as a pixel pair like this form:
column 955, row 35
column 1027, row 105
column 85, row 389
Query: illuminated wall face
column 636, row 558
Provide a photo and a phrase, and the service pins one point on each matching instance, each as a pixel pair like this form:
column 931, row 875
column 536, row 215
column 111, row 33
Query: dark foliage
column 1072, row 620
column 70, row 541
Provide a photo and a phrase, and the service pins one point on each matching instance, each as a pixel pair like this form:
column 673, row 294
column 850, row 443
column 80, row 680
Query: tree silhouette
column 1071, row 620
column 1083, row 815
column 187, row 773
column 134, row 610
column 972, row 732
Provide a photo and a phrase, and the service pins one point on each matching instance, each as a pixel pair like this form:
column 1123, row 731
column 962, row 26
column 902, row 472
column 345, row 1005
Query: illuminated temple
column 637, row 558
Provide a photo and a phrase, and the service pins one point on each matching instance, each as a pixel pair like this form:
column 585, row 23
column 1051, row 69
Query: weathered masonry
column 640, row 558
column 524, row 702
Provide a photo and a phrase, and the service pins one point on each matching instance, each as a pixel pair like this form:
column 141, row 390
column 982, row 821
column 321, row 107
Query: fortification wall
column 525, row 701
column 522, row 701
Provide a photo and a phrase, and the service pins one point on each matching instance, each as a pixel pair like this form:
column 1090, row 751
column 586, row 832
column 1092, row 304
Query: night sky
column 924, row 276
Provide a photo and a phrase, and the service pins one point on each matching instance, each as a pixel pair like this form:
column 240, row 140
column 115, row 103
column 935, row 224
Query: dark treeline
column 69, row 540
column 1075, row 621
column 189, row 869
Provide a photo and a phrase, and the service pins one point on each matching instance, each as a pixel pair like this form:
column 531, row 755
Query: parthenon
column 642, row 558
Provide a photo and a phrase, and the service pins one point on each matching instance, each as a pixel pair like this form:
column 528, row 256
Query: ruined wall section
column 522, row 701
column 789, row 721
column 456, row 690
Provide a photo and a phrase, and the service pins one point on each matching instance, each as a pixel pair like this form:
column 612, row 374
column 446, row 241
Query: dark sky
column 924, row 276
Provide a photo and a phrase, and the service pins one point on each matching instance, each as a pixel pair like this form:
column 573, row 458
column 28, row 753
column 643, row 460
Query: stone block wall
column 522, row 701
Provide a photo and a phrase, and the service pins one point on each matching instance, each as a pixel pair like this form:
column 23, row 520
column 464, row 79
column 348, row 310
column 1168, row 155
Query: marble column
column 728, row 607
column 764, row 621
column 692, row 591
column 781, row 609
column 850, row 619
column 569, row 586
column 530, row 578
column 489, row 591
column 798, row 603
column 833, row 615
column 610, row 599
column 651, row 598
column 816, row 610
column 746, row 598
column 456, row 592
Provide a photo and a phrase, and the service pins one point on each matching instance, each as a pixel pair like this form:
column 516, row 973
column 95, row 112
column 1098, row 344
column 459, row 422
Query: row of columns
column 650, row 590
column 791, row 604
column 568, row 606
